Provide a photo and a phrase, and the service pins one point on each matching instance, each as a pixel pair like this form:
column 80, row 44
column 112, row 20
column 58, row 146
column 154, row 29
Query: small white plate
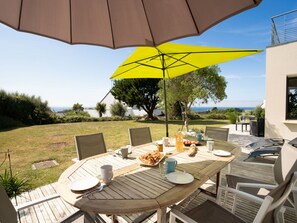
column 180, row 177
column 84, row 183
column 221, row 153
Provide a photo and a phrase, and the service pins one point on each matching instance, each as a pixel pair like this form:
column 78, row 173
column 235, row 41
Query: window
column 291, row 111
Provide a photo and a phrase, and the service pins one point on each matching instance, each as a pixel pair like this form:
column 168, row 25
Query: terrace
column 57, row 209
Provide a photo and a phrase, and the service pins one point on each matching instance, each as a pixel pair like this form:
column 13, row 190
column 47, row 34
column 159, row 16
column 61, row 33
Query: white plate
column 221, row 153
column 84, row 183
column 180, row 177
column 118, row 151
column 155, row 164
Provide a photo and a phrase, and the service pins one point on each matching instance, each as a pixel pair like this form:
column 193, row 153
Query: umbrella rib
column 193, row 19
column 217, row 51
column 20, row 15
column 70, row 20
column 180, row 60
column 137, row 61
column 111, row 29
column 149, row 26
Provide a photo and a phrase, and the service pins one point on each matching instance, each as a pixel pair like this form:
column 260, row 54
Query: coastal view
column 148, row 111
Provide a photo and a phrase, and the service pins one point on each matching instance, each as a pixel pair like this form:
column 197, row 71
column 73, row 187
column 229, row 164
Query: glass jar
column 179, row 145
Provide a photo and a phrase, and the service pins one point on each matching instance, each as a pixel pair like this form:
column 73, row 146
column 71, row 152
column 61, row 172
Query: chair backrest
column 217, row 133
column 275, row 199
column 7, row 211
column 89, row 145
column 286, row 163
column 139, row 136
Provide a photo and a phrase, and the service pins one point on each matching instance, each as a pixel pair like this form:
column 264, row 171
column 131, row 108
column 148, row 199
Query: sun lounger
column 265, row 147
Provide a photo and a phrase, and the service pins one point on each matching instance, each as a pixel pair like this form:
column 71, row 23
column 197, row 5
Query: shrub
column 117, row 109
column 13, row 185
column 232, row 118
column 259, row 112
column 216, row 116
column 26, row 109
column 6, row 122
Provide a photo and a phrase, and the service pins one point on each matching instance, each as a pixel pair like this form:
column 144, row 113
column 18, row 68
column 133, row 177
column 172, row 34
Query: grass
column 44, row 142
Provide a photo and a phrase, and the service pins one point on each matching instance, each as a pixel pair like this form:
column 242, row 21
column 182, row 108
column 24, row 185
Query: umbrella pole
column 165, row 97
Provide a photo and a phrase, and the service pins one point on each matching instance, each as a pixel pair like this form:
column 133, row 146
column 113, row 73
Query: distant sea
column 59, row 109
column 199, row 109
column 202, row 109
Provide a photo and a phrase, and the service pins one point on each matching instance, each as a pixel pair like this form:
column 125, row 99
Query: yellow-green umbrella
column 170, row 60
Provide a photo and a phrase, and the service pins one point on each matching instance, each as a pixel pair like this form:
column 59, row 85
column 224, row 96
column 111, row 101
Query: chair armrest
column 38, row 201
column 241, row 194
column 255, row 185
column 177, row 214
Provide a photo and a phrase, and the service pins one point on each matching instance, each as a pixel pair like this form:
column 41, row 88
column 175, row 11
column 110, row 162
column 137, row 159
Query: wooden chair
column 139, row 136
column 217, row 133
column 270, row 211
column 89, row 145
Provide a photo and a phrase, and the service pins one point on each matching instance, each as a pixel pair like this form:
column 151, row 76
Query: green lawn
column 44, row 142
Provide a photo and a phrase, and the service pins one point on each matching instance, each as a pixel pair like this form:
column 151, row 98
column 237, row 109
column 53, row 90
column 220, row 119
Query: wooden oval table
column 137, row 188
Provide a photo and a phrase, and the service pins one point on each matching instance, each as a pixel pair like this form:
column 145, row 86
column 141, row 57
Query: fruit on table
column 189, row 142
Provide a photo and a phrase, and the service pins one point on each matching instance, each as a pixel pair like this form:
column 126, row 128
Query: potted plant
column 257, row 126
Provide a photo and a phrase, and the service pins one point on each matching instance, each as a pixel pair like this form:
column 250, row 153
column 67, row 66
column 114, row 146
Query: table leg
column 236, row 126
column 218, row 182
column 161, row 215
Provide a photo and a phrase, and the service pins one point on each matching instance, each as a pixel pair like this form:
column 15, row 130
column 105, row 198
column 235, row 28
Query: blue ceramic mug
column 170, row 165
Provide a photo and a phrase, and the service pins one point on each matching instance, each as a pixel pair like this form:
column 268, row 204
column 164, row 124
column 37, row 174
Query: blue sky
column 66, row 74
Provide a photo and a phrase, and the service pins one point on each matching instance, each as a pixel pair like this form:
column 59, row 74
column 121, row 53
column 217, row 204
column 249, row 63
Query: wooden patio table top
column 137, row 188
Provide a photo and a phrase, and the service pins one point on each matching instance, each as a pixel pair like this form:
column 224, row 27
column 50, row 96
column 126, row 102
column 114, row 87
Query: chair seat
column 210, row 212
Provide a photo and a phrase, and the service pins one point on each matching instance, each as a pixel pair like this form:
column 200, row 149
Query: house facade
column 281, row 78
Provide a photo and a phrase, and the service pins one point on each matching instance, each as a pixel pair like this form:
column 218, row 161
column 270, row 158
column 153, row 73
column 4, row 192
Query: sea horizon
column 198, row 109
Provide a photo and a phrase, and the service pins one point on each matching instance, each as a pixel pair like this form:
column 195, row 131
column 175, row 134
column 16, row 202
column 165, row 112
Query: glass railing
column 284, row 28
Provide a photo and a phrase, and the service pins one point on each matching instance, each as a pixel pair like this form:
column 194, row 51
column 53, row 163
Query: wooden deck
column 57, row 209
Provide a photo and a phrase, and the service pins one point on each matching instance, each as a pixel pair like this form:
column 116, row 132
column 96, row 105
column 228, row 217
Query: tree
column 101, row 108
column 117, row 109
column 77, row 107
column 141, row 93
column 199, row 86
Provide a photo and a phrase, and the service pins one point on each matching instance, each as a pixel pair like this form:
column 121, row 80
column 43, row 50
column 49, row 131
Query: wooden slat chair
column 9, row 213
column 139, row 136
column 270, row 211
column 89, row 145
column 217, row 133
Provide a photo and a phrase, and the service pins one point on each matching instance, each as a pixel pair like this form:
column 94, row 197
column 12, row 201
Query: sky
column 64, row 74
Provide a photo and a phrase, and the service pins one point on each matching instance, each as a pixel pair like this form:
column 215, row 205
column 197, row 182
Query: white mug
column 106, row 173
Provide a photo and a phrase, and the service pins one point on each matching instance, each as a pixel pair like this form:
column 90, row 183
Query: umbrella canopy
column 170, row 60
column 118, row 23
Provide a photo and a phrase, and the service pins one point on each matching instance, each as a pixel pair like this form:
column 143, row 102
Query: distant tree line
column 29, row 110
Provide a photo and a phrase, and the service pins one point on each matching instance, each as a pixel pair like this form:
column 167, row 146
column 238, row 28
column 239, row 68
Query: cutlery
column 97, row 189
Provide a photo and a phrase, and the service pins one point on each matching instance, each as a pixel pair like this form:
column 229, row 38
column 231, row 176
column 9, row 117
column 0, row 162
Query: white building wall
column 281, row 61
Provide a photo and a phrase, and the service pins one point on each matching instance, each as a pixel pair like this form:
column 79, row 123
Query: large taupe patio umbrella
column 170, row 60
column 118, row 23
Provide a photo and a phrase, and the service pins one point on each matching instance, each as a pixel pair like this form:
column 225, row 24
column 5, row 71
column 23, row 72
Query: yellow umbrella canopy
column 170, row 60
column 175, row 60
